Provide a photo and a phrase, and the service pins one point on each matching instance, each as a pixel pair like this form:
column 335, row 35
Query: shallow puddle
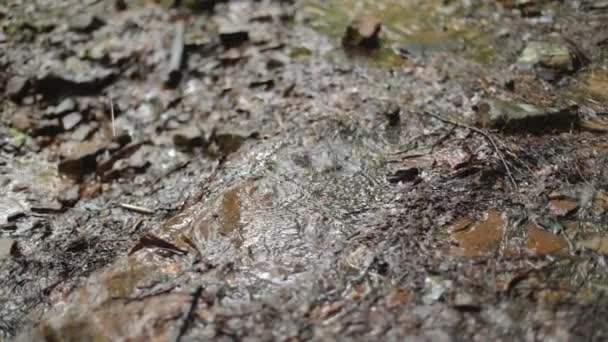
column 417, row 27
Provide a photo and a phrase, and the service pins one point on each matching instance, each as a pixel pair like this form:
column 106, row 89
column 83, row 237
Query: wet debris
column 477, row 238
column 199, row 5
column 516, row 117
column 47, row 127
column 174, row 74
column 69, row 196
column 553, row 59
column 232, row 56
column 85, row 23
column 392, row 112
column 597, row 5
column 45, row 207
column 464, row 301
column 232, row 35
column 79, row 159
column 65, row 106
column 8, row 226
column 188, row 137
column 136, row 208
column 71, row 120
column 152, row 241
column 552, row 55
column 542, row 242
column 230, row 216
column 327, row 310
column 363, row 32
column 404, row 175
column 138, row 160
column 21, row 121
column 84, row 131
column 397, row 297
column 8, row 247
column 596, row 84
column 16, row 87
column 598, row 243
column 435, row 286
column 112, row 165
column 387, row 109
column 562, row 207
column 120, row 5
column 225, row 143
column 72, row 77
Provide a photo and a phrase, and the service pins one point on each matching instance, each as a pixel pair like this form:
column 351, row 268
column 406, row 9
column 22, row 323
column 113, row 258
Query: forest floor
column 303, row 170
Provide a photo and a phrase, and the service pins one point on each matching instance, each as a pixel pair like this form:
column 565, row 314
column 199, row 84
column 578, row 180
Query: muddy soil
column 303, row 170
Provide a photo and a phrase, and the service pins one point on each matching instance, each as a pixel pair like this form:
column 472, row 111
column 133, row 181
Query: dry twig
column 187, row 320
column 137, row 209
column 487, row 136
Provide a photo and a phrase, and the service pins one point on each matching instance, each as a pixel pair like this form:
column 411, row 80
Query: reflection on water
column 417, row 27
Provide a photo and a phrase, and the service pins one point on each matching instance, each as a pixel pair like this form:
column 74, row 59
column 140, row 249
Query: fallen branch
column 487, row 136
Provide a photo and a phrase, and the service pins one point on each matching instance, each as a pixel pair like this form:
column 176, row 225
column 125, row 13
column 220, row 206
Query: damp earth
column 303, row 170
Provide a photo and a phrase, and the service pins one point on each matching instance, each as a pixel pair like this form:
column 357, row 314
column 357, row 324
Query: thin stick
column 189, row 316
column 177, row 55
column 485, row 135
column 112, row 113
column 137, row 209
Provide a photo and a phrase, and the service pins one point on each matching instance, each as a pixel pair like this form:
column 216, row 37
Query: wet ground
column 309, row 170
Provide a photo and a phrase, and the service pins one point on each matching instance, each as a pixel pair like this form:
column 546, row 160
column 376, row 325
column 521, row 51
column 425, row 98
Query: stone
column 69, row 196
column 404, row 175
column 232, row 36
column 363, row 32
column 85, row 23
column 464, row 299
column 48, row 127
column 47, row 207
column 16, row 87
column 71, row 120
column 519, row 116
column 80, row 158
column 7, row 248
column 67, row 105
column 21, row 121
column 558, row 56
column 84, row 131
column 230, row 142
column 188, row 137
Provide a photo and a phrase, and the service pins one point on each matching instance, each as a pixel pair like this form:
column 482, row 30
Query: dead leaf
column 596, row 243
column 327, row 310
column 479, row 238
column 562, row 207
column 397, row 297
column 542, row 242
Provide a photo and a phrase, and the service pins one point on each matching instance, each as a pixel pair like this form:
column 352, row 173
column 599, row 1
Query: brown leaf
column 327, row 310
column 542, row 242
column 480, row 238
column 397, row 297
column 597, row 243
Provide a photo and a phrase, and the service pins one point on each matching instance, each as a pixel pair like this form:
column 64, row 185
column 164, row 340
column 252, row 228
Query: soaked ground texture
column 303, row 170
